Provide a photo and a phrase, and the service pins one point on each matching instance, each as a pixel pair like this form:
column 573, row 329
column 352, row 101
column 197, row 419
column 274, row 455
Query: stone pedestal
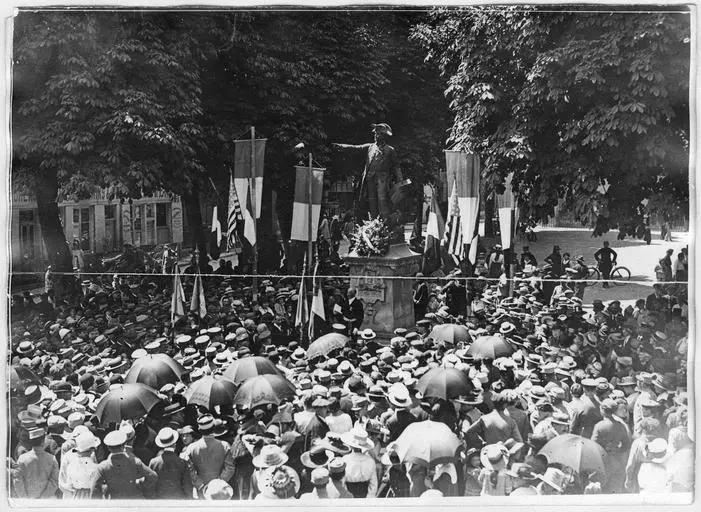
column 387, row 303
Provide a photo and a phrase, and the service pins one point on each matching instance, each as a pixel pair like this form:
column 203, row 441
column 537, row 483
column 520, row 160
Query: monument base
column 387, row 302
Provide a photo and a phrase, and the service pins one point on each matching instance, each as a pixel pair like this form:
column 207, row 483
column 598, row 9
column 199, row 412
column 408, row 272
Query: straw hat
column 86, row 441
column 318, row 456
column 494, row 456
column 167, row 437
column 357, row 438
column 555, row 478
column 270, row 456
column 218, row 490
column 398, row 395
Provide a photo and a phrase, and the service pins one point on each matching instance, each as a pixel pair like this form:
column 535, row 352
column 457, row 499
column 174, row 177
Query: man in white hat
column 361, row 469
column 174, row 478
column 36, row 474
column 400, row 400
column 207, row 455
column 122, row 475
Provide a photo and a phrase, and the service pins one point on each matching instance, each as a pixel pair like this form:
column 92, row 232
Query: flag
column 177, row 301
column 215, row 235
column 233, row 219
column 302, row 308
column 434, row 233
column 452, row 239
column 317, row 309
column 197, row 303
column 507, row 213
column 248, row 183
column 300, row 208
column 463, row 172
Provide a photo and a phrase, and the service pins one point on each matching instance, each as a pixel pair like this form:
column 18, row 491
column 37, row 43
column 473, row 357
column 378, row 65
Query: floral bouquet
column 371, row 238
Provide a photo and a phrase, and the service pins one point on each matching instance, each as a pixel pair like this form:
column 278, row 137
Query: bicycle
column 618, row 273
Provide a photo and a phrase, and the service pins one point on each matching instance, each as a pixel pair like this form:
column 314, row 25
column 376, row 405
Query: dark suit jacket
column 354, row 311
column 120, row 472
column 174, row 481
column 585, row 414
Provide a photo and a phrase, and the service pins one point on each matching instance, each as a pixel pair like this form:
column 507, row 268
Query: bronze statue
column 381, row 164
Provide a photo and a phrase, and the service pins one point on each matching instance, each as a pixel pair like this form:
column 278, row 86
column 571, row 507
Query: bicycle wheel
column 619, row 274
column 593, row 277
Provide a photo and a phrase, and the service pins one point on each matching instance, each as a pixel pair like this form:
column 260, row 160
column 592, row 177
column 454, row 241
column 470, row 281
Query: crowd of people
column 614, row 376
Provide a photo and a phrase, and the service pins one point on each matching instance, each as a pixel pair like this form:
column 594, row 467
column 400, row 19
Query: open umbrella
column 154, row 370
column 446, row 383
column 264, row 389
column 577, row 452
column 126, row 402
column 248, row 367
column 427, row 443
column 490, row 347
column 450, row 333
column 21, row 376
column 325, row 344
column 210, row 391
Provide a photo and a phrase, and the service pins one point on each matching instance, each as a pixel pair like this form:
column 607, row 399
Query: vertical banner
column 463, row 172
column 507, row 206
column 302, row 203
column 244, row 180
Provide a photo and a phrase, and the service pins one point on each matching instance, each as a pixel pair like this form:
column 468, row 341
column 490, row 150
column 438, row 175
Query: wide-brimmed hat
column 206, row 423
column 279, row 482
column 86, row 441
column 494, row 456
column 656, row 450
column 555, row 478
column 507, row 328
column 167, row 437
column 398, row 395
column 521, row 470
column 470, row 398
column 368, row 334
column 318, row 456
column 218, row 490
column 382, row 128
column 270, row 455
column 357, row 438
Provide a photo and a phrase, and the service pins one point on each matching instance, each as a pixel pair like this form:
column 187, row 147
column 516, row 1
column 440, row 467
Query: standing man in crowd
column 606, row 258
column 420, row 297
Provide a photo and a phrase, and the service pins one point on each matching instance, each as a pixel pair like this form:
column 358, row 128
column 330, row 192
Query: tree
column 590, row 109
column 104, row 100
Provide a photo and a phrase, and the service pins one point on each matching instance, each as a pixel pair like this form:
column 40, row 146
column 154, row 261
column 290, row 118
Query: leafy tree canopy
column 570, row 101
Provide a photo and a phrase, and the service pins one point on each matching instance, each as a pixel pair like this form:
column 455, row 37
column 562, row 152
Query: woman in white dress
column 79, row 468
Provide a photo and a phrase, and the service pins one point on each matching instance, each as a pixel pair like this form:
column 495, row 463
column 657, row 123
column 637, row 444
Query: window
column 26, row 216
column 84, row 222
column 110, row 211
column 76, row 216
column 162, row 215
column 137, row 217
column 149, row 211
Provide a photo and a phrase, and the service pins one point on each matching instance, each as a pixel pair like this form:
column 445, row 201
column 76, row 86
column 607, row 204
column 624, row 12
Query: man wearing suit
column 420, row 297
column 353, row 313
column 174, row 481
column 585, row 411
column 498, row 425
column 206, row 455
column 123, row 475
column 36, row 474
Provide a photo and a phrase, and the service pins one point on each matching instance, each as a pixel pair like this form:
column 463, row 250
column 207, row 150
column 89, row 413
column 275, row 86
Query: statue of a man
column 380, row 164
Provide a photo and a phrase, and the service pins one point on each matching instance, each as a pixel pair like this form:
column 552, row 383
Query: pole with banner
column 255, row 216
column 507, row 212
column 306, row 208
column 310, row 191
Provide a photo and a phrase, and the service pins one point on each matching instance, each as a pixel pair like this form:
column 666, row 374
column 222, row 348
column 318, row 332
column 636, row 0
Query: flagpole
column 253, row 207
column 310, row 253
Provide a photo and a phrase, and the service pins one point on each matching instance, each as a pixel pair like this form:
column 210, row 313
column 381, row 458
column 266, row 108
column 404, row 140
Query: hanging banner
column 249, row 183
column 506, row 204
column 300, row 208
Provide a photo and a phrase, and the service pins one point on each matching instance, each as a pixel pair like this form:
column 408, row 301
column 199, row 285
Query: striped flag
column 177, row 308
column 434, row 233
column 197, row 303
column 300, row 209
column 248, row 183
column 452, row 239
column 317, row 309
column 234, row 218
column 463, row 171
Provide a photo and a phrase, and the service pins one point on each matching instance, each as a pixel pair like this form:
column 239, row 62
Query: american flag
column 235, row 215
column 452, row 238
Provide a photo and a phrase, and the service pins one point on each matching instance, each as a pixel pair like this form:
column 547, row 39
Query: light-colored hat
column 218, row 490
column 555, row 478
column 115, row 438
column 398, row 395
column 167, row 437
column 358, row 438
column 368, row 334
column 494, row 456
column 86, row 441
column 270, row 456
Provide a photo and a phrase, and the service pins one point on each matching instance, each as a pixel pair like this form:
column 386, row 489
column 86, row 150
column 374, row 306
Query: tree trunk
column 198, row 233
column 58, row 252
column 488, row 217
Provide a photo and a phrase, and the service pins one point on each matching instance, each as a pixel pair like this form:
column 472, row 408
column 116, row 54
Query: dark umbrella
column 490, row 347
column 210, row 391
column 581, row 454
column 126, row 402
column 445, row 383
column 248, row 367
column 154, row 370
column 325, row 344
column 21, row 375
column 264, row 389
column 450, row 333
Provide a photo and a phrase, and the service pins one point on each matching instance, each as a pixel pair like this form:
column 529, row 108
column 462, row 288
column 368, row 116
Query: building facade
column 99, row 224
